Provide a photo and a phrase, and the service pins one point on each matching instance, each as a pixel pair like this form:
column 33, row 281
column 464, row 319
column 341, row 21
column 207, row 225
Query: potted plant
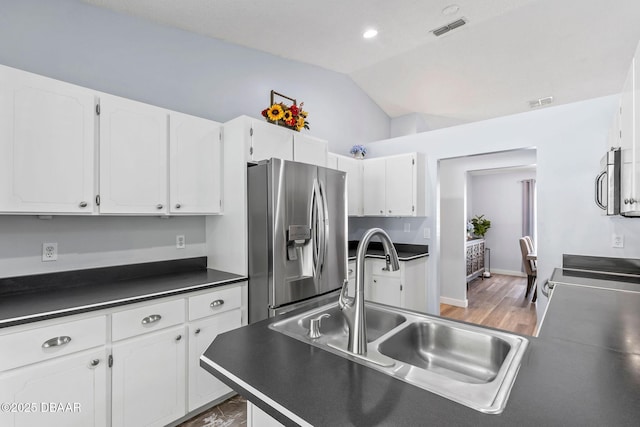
column 358, row 151
column 480, row 225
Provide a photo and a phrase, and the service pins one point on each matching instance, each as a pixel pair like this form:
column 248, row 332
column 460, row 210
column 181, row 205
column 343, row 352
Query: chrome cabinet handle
column 177, row 205
column 599, row 178
column 159, row 206
column 197, row 331
column 178, row 338
column 389, row 210
column 216, row 303
column 94, row 363
column 83, row 204
column 56, row 342
column 151, row 319
column 381, row 211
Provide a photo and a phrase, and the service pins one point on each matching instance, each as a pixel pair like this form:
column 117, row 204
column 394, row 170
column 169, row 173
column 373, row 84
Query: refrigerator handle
column 315, row 221
column 324, row 225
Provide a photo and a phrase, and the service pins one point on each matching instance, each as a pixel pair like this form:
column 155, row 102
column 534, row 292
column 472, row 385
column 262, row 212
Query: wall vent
column 452, row 26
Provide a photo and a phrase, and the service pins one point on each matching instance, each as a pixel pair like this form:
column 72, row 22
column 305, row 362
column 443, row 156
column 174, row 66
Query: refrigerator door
column 332, row 184
column 295, row 197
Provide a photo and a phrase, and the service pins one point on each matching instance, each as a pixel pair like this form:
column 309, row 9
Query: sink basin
column 466, row 356
column 334, row 328
column 468, row 364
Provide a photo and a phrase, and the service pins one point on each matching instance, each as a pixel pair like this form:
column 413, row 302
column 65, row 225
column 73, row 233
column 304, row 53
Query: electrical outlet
column 617, row 241
column 49, row 252
column 426, row 233
column 181, row 243
column 407, row 227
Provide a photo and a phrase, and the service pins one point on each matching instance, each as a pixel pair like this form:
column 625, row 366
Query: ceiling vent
column 452, row 26
column 540, row 102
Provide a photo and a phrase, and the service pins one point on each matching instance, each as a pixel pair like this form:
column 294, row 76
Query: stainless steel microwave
column 607, row 188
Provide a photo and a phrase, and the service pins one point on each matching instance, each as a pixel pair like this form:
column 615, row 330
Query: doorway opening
column 482, row 280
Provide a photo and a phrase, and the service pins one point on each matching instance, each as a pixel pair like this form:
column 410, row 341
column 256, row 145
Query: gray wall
column 498, row 196
column 82, row 44
column 92, row 47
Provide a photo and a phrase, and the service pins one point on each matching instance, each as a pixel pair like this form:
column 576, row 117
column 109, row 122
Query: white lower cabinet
column 148, row 379
column 204, row 387
column 69, row 391
column 68, row 372
column 404, row 288
column 256, row 417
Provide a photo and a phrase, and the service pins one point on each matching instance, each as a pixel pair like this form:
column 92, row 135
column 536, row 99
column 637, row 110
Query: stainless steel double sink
column 468, row 364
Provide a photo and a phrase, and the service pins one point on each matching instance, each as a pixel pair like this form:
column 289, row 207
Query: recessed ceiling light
column 452, row 9
column 369, row 34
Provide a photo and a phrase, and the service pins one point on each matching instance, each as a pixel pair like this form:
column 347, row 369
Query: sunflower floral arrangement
column 293, row 117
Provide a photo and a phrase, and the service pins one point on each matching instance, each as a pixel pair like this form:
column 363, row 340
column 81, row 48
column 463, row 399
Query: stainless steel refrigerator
column 297, row 235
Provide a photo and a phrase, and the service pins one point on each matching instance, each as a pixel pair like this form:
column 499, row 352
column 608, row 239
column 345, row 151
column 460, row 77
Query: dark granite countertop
column 406, row 252
column 38, row 297
column 583, row 369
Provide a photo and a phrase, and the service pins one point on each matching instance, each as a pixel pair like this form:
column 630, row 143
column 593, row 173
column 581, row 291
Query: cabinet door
column 148, row 379
column 385, row 290
column 195, row 165
column 400, row 186
column 47, row 139
column 353, row 168
column 269, row 140
column 635, row 195
column 133, row 157
column 307, row 149
column 203, row 387
column 627, row 130
column 373, row 191
column 78, row 382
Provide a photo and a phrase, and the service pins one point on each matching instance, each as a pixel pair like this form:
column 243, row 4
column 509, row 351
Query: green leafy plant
column 480, row 225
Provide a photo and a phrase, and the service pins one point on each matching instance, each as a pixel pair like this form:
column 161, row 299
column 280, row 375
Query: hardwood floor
column 497, row 302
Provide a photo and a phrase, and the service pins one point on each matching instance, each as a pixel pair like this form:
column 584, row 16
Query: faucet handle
column 314, row 326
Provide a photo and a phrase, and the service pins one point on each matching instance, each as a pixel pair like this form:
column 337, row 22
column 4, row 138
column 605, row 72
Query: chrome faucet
column 353, row 308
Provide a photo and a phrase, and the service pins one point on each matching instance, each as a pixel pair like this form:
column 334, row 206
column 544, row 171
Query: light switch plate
column 426, row 232
column 49, row 252
column 181, row 243
column 407, row 227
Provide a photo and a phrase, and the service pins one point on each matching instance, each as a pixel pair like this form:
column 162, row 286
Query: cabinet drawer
column 35, row 345
column 145, row 319
column 214, row 302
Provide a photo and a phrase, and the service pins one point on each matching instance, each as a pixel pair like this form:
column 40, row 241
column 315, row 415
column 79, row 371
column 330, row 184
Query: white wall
column 570, row 139
column 498, row 196
column 93, row 47
column 88, row 242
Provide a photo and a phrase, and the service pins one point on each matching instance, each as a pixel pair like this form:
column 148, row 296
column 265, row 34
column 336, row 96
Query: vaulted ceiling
column 508, row 53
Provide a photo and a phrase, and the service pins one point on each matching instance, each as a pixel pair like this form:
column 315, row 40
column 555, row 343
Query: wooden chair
column 529, row 267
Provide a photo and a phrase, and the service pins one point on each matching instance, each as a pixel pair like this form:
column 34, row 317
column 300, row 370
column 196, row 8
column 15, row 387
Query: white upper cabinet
column 267, row 140
column 374, row 186
column 133, row 157
column 332, row 160
column 354, row 170
column 47, row 140
column 394, row 186
column 307, row 149
column 401, row 184
column 195, row 165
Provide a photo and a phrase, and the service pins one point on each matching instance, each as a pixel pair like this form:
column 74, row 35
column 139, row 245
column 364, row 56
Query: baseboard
column 452, row 301
column 508, row 272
